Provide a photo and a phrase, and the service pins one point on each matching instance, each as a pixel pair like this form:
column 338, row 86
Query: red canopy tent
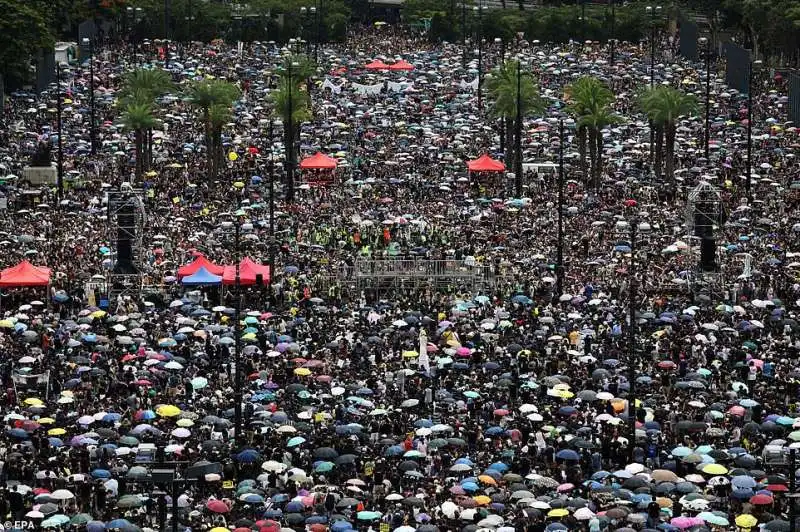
column 484, row 163
column 376, row 65
column 318, row 161
column 200, row 262
column 25, row 274
column 402, row 65
column 248, row 270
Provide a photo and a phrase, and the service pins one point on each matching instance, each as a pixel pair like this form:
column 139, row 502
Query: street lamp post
column 612, row 40
column 464, row 34
column 271, row 206
column 60, row 163
column 749, row 176
column 632, row 340
column 499, row 41
column 707, row 137
column 289, row 123
column 317, row 10
column 166, row 32
column 518, row 132
column 560, row 250
column 237, row 394
column 652, row 12
column 92, row 134
column 479, row 10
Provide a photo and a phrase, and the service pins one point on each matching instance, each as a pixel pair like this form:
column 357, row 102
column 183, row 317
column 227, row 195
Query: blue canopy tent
column 202, row 277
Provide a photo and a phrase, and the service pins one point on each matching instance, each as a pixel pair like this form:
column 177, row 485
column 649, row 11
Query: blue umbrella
column 118, row 523
column 294, row 506
column 101, row 473
column 95, row 526
column 248, row 456
column 17, row 433
column 55, row 442
column 568, row 454
column 499, row 466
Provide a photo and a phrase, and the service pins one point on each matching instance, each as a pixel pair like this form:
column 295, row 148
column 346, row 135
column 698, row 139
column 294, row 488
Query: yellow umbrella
column 746, row 521
column 33, row 401
column 714, row 469
column 6, row 324
column 486, row 479
column 151, row 173
column 302, row 372
column 220, row 529
column 174, row 165
column 239, row 184
column 482, row 500
column 56, row 432
column 249, row 336
column 185, row 422
column 67, row 101
column 232, row 156
column 98, row 314
column 168, row 411
column 410, row 354
column 46, row 421
column 558, row 512
column 561, row 386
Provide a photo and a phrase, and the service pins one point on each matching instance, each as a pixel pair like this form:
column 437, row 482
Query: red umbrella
column 217, row 506
column 761, row 499
column 777, row 487
column 630, row 203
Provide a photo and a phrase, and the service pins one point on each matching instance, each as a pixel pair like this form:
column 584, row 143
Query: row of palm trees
column 214, row 100
column 590, row 102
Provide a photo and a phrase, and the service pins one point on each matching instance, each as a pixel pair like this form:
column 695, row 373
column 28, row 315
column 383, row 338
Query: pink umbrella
column 463, row 352
column 683, row 522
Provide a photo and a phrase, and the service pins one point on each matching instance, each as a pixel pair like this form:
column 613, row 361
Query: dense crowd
column 495, row 405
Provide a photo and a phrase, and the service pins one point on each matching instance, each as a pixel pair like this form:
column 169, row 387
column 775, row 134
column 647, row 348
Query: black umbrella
column 407, row 465
column 326, row 453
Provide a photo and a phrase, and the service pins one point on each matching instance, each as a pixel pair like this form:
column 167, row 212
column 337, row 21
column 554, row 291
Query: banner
column 399, row 87
column 794, row 98
column 737, row 67
column 328, row 84
column 367, row 90
column 689, row 33
column 472, row 85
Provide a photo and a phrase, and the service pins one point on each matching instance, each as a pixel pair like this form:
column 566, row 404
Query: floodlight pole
column 560, row 251
column 60, row 164
column 237, row 394
column 632, row 342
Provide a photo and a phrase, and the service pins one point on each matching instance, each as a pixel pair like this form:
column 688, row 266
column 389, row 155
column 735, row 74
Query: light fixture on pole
column 60, row 163
column 707, row 137
column 749, row 177
column 92, row 122
column 560, row 250
column 652, row 12
column 499, row 41
column 518, row 132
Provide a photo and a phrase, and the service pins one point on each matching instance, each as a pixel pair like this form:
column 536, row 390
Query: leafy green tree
column 292, row 104
column 24, row 30
column 139, row 118
column 209, row 96
column 503, row 84
column 589, row 100
column 664, row 106
column 144, row 86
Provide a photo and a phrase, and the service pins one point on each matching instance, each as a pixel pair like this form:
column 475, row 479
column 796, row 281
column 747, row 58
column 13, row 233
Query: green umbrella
column 129, row 501
column 294, row 442
column 198, row 383
column 324, row 467
column 129, row 440
column 368, row 516
column 80, row 519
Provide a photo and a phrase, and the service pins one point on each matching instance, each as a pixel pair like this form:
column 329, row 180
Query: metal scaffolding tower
column 704, row 211
column 386, row 275
column 126, row 218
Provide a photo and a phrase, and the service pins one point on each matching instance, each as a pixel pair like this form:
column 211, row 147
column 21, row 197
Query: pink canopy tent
column 318, row 161
column 376, row 65
column 402, row 65
column 200, row 262
column 484, row 163
column 25, row 274
column 248, row 270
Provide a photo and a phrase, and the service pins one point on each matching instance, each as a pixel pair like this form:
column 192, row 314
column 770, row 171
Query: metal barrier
column 409, row 269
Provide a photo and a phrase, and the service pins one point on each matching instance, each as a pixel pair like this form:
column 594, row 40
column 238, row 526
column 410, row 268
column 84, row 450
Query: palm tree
column 292, row 104
column 664, row 106
column 594, row 120
column 144, row 86
column 586, row 96
column 139, row 118
column 501, row 87
column 206, row 95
